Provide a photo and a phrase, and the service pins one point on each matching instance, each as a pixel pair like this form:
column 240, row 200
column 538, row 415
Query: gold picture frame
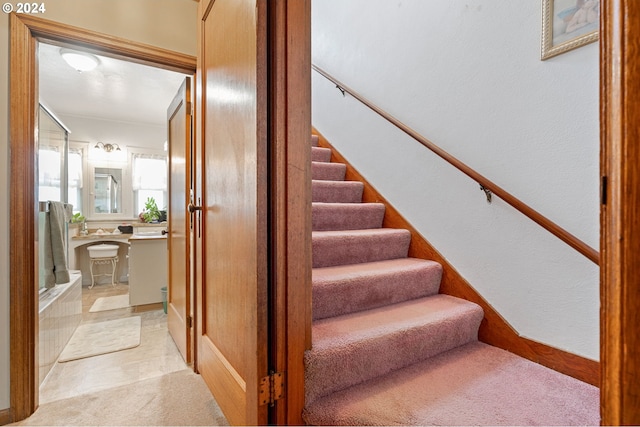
column 568, row 24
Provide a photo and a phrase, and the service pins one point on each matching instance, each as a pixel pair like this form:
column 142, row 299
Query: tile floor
column 155, row 356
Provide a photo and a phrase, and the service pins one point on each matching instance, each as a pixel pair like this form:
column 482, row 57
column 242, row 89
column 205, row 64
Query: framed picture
column 568, row 24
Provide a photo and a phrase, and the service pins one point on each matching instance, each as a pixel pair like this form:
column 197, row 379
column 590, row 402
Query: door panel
column 179, row 295
column 232, row 335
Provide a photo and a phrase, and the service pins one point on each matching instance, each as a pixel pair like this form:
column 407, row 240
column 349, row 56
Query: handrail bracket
column 487, row 193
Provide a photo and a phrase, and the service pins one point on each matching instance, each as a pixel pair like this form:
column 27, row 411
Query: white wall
column 169, row 24
column 92, row 130
column 467, row 75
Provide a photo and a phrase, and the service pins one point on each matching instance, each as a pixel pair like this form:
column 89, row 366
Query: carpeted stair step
column 331, row 248
column 347, row 289
column 346, row 216
column 328, row 171
column 336, row 191
column 314, row 140
column 357, row 347
column 475, row 384
column 320, row 154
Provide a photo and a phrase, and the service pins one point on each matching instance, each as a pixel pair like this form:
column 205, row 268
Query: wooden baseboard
column 494, row 329
column 147, row 307
column 5, row 416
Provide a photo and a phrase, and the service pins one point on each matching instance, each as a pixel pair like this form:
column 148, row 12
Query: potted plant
column 77, row 221
column 151, row 213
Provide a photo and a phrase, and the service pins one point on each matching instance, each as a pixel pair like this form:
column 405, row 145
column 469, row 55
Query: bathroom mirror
column 107, row 191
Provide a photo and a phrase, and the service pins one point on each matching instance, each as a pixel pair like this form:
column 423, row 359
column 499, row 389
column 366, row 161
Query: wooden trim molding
column 290, row 133
column 5, row 416
column 22, row 234
column 494, row 329
column 104, row 44
column 525, row 209
column 24, row 32
column 620, row 228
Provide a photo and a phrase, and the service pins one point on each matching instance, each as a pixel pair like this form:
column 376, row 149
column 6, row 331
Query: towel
column 56, row 270
column 46, row 263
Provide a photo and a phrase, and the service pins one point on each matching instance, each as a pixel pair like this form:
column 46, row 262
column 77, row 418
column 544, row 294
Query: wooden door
column 232, row 314
column 179, row 221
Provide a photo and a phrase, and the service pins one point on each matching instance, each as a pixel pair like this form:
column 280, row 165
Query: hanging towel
column 46, row 262
column 59, row 214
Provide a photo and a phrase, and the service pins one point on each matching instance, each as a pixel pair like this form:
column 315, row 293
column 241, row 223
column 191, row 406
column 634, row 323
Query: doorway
column 27, row 32
column 118, row 104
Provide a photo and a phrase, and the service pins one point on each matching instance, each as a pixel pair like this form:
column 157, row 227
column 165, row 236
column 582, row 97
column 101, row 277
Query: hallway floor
column 155, row 356
column 119, row 388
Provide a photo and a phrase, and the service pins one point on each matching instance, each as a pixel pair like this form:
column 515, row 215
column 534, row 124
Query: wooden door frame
column 25, row 32
column 290, row 140
column 620, row 226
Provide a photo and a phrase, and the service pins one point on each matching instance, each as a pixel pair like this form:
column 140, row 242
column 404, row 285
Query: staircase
column 388, row 348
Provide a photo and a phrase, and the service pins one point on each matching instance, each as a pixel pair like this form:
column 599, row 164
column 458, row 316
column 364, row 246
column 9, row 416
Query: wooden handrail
column 485, row 183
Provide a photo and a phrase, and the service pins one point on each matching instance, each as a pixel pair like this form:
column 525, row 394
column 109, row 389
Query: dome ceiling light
column 79, row 61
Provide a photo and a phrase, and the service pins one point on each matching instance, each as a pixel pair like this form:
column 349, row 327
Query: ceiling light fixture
column 79, row 61
column 107, row 147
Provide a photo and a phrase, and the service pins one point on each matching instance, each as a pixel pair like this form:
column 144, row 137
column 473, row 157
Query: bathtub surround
column 60, row 313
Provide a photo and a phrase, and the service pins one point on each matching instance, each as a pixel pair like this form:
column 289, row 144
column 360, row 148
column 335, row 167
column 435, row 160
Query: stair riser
column 342, row 250
column 336, row 192
column 319, row 154
column 328, row 171
column 346, row 216
column 342, row 367
column 344, row 296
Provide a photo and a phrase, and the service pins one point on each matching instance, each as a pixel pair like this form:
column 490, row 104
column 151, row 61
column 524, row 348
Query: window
column 49, row 173
column 149, row 179
column 75, row 179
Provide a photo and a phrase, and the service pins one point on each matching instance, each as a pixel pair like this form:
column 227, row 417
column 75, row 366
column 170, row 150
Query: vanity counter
column 148, row 237
column 106, row 236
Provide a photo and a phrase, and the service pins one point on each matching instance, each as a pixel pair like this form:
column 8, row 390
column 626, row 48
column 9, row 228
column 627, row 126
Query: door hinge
column 603, row 189
column 271, row 388
column 189, row 322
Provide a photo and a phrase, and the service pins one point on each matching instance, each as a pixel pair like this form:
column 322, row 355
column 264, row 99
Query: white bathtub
column 60, row 313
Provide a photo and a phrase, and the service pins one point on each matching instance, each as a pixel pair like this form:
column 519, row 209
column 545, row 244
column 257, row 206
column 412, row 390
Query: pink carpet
column 472, row 385
column 388, row 349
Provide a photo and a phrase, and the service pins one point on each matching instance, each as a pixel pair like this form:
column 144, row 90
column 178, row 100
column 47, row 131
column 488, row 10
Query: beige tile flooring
column 155, row 356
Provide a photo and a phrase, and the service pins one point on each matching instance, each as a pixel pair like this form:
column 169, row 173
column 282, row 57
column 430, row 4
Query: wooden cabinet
column 147, row 269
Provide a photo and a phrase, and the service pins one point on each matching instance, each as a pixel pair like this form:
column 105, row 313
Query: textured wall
column 467, row 75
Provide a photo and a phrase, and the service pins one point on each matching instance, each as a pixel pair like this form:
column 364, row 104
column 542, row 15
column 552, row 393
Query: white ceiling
column 115, row 90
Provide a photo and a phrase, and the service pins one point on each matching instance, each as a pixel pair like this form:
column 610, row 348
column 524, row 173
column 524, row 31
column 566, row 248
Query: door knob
column 192, row 208
column 165, row 232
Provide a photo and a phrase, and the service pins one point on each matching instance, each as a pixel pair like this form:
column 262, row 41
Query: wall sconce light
column 107, row 147
column 79, row 61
